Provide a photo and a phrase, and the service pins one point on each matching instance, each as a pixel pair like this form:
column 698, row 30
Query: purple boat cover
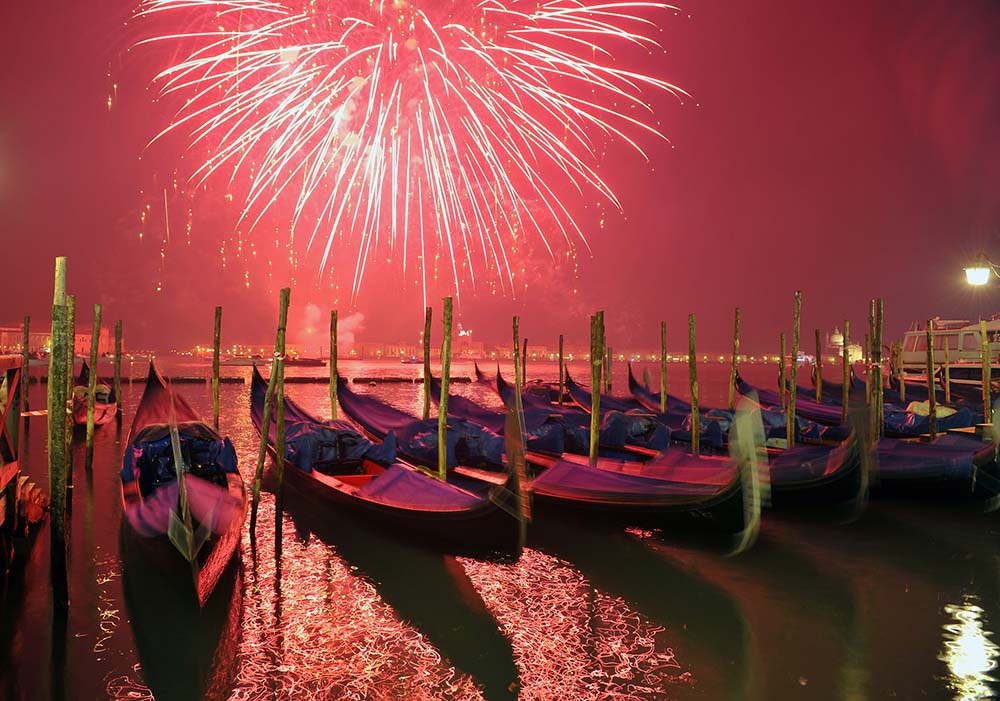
column 581, row 482
column 332, row 447
column 468, row 443
column 402, row 487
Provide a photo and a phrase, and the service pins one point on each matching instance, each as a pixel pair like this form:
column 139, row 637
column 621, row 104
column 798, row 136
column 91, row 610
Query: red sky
column 846, row 149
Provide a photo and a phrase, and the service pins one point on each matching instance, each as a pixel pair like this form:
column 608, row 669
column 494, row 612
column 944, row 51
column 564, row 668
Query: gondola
column 952, row 466
column 105, row 401
column 557, row 484
column 806, row 474
column 774, row 418
column 332, row 461
column 189, row 523
column 898, row 423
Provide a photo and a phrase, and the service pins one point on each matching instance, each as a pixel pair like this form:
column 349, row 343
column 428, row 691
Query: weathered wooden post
column 279, row 398
column 524, row 363
column 846, row 389
column 607, row 370
column 427, row 363
column 901, row 375
column 879, row 389
column 931, row 398
column 333, row 364
column 518, row 387
column 663, row 367
column 782, row 385
column 819, row 368
column 596, row 372
column 869, row 393
column 95, row 339
column 265, row 425
column 26, row 370
column 57, row 414
column 736, row 353
column 867, row 352
column 947, row 370
column 562, row 371
column 987, row 374
column 118, row 369
column 216, row 349
column 793, row 391
column 693, row 377
column 443, row 402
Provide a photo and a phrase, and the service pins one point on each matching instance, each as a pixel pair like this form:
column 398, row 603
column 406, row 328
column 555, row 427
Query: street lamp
column 978, row 271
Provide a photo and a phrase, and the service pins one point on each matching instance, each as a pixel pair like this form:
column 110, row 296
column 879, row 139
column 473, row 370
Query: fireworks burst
column 417, row 128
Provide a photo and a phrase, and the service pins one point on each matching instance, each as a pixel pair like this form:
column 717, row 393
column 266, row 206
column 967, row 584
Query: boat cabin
column 963, row 341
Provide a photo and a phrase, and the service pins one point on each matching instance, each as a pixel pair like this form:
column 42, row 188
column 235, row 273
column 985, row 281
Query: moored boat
column 559, row 484
column 105, row 402
column 829, row 473
column 186, row 520
column 332, row 461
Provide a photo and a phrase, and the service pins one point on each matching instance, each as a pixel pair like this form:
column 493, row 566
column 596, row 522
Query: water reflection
column 968, row 651
column 901, row 604
column 185, row 652
column 333, row 636
column 707, row 627
column 426, row 589
column 572, row 640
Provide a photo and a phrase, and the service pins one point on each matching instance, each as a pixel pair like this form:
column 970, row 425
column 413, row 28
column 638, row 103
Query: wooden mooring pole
column 596, row 373
column 118, row 370
column 95, row 339
column 216, row 349
column 819, row 368
column 736, row 354
column 268, row 409
column 846, row 389
column 782, row 385
column 333, row 365
column 57, row 415
column 279, row 398
column 608, row 377
column 987, row 374
column 947, row 370
column 901, row 375
column 443, row 402
column 25, row 371
column 793, row 391
column 518, row 387
column 562, row 371
column 693, row 378
column 931, row 398
column 663, row 367
column 427, row 363
column 524, row 363
column 875, row 371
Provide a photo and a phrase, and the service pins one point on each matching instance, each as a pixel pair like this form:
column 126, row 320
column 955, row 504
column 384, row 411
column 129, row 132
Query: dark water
column 901, row 604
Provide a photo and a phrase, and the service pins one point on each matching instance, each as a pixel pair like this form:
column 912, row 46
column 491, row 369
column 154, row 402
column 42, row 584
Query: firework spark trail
column 360, row 115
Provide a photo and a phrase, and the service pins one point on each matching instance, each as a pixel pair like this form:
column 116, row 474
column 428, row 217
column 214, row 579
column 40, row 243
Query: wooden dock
column 22, row 503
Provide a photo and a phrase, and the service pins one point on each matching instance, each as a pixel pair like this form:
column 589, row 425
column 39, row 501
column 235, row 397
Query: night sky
column 847, row 149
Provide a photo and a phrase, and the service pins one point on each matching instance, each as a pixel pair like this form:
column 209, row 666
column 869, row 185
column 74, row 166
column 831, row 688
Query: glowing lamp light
column 978, row 272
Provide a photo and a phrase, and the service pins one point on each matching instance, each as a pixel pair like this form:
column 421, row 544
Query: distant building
column 12, row 337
